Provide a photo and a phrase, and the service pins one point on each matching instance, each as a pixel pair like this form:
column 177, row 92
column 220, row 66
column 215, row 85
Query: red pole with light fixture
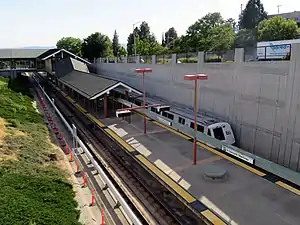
column 143, row 71
column 195, row 78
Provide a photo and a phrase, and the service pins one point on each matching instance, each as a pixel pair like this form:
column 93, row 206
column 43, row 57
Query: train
column 174, row 115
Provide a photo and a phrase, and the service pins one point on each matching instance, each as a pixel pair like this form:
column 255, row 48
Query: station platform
column 246, row 196
column 243, row 197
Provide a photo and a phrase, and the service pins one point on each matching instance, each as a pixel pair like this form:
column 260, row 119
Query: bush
column 33, row 189
column 213, row 60
column 188, row 60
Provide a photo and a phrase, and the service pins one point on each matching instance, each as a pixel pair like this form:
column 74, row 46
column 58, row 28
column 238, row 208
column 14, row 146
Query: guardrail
column 110, row 185
column 255, row 160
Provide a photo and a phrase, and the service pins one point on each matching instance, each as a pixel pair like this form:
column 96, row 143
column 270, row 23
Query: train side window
column 153, row 109
column 171, row 116
column 208, row 132
column 192, row 125
column 200, row 128
column 181, row 120
column 137, row 102
column 165, row 114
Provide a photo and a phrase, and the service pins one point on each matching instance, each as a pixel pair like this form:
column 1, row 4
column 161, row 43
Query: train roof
column 186, row 112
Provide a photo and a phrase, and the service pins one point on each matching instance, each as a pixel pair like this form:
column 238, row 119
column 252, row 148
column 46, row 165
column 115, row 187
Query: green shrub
column 33, row 189
column 212, row 59
column 188, row 60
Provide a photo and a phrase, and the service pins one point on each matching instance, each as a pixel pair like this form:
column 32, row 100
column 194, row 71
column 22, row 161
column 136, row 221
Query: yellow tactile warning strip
column 172, row 130
column 212, row 217
column 186, row 196
column 237, row 162
column 95, row 120
column 70, row 99
column 253, row 170
column 119, row 140
column 80, row 108
column 288, row 187
column 179, row 190
column 204, row 211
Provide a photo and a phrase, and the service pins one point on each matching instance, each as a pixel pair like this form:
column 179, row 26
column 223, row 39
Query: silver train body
column 205, row 124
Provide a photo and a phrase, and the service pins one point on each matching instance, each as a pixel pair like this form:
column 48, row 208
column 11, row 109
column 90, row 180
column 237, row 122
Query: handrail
column 110, row 185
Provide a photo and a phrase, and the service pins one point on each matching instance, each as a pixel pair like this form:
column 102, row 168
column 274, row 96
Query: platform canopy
column 53, row 52
column 91, row 85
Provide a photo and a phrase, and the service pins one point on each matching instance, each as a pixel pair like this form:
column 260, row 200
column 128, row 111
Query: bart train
column 205, row 124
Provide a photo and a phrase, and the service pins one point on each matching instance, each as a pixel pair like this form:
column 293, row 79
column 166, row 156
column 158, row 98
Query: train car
column 205, row 124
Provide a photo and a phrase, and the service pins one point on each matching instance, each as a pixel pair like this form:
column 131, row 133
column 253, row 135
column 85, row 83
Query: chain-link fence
column 164, row 59
column 146, row 59
column 188, row 57
column 227, row 56
column 131, row 59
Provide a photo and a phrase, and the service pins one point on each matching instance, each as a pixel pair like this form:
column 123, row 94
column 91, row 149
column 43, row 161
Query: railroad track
column 162, row 207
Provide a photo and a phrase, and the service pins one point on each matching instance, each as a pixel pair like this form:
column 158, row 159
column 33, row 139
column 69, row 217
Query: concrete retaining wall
column 259, row 99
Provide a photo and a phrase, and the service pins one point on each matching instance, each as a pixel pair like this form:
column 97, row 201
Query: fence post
column 116, row 59
column 239, row 55
column 153, row 59
column 125, row 59
column 107, row 60
column 174, row 59
column 138, row 59
column 200, row 61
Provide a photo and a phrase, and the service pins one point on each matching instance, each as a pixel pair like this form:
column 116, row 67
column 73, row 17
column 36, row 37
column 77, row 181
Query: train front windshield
column 219, row 133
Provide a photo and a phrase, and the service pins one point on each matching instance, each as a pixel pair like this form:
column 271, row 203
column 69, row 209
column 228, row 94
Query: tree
column 122, row 51
column 149, row 47
column 170, row 37
column 181, row 45
column 277, row 28
column 97, row 45
column 252, row 15
column 221, row 38
column 130, row 41
column 198, row 34
column 115, row 44
column 71, row 44
column 146, row 43
column 144, row 31
column 246, row 38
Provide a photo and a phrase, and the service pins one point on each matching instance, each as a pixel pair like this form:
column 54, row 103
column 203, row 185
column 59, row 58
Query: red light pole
column 195, row 77
column 143, row 71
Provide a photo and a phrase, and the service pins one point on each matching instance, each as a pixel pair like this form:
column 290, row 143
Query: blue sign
column 276, row 47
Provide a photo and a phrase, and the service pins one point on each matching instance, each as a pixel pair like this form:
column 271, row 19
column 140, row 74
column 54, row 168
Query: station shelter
column 93, row 91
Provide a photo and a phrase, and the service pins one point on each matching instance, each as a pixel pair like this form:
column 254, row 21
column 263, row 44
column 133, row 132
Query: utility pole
column 278, row 7
column 133, row 32
column 241, row 8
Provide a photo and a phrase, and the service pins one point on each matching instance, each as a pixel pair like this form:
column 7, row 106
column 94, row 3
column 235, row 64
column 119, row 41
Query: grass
column 34, row 190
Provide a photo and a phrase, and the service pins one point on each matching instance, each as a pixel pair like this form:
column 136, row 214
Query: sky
column 42, row 23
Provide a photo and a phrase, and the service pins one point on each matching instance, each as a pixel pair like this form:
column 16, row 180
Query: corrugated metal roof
column 87, row 84
column 21, row 53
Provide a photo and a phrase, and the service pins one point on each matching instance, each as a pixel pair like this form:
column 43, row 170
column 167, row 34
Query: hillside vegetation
column 34, row 190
